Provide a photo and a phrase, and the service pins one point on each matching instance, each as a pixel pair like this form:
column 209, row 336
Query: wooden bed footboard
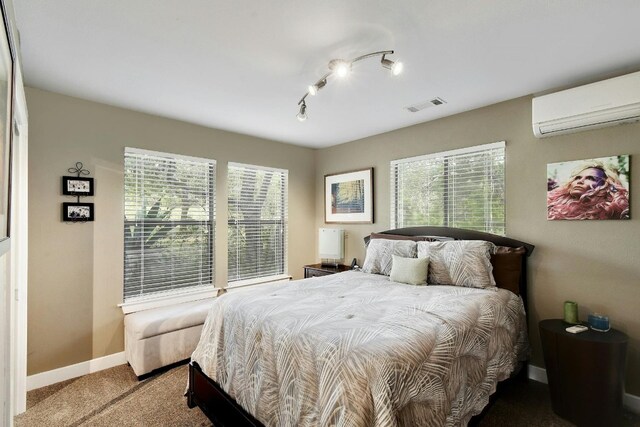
column 223, row 411
column 216, row 404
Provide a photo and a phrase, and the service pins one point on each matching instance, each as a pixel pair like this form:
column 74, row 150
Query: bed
column 358, row 349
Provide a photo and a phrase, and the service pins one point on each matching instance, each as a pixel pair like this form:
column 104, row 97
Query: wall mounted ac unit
column 606, row 103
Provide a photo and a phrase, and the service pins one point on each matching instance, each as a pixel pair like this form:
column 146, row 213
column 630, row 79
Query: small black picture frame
column 77, row 212
column 77, row 186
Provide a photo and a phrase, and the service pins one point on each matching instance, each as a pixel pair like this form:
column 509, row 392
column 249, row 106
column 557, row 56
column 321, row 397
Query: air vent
column 432, row 103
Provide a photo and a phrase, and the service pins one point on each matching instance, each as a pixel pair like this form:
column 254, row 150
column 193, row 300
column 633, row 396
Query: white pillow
column 409, row 270
column 459, row 262
column 379, row 252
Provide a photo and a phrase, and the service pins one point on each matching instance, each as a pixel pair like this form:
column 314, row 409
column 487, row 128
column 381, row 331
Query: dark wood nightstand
column 585, row 373
column 316, row 270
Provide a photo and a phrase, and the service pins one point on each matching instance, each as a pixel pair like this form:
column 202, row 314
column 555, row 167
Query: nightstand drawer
column 317, row 270
column 312, row 272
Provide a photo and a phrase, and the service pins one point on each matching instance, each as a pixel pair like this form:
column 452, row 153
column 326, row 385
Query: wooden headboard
column 462, row 234
column 458, row 234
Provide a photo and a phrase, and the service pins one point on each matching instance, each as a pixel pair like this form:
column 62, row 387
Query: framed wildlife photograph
column 76, row 186
column 349, row 197
column 77, row 212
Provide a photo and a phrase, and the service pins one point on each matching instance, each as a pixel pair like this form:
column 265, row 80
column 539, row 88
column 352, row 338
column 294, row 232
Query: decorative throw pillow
column 379, row 252
column 507, row 267
column 409, row 270
column 459, row 262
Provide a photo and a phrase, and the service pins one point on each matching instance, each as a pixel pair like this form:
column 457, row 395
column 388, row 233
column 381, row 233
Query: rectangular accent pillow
column 379, row 252
column 460, row 263
column 412, row 271
column 507, row 267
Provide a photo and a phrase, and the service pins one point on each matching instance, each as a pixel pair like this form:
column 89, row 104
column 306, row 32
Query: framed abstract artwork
column 589, row 189
column 348, row 197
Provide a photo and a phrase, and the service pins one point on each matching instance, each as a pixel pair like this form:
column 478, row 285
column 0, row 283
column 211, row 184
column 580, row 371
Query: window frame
column 445, row 156
column 181, row 294
column 284, row 220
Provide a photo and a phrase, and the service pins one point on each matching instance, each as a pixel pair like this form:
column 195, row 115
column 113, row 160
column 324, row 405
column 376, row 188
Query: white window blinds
column 257, row 232
column 460, row 188
column 169, row 223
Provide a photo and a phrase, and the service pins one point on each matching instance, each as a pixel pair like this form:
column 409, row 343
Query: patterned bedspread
column 354, row 349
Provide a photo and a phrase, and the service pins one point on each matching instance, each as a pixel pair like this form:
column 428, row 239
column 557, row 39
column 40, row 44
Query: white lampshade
column 331, row 243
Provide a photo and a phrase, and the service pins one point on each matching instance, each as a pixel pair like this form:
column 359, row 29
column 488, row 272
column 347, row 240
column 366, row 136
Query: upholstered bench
column 161, row 336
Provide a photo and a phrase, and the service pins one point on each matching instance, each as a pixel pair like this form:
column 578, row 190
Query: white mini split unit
column 606, row 103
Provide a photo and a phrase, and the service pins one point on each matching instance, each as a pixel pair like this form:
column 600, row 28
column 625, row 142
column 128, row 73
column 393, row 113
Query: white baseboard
column 73, row 371
column 538, row 374
column 630, row 401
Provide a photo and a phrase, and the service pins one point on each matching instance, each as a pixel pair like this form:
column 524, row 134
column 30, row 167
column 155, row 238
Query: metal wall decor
column 78, row 186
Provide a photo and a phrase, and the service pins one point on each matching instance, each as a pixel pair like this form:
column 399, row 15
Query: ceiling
column 243, row 65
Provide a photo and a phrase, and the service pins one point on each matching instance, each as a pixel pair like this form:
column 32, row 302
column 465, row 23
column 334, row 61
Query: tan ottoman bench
column 161, row 336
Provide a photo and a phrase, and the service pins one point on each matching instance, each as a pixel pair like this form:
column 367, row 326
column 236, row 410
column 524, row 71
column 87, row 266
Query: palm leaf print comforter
column 355, row 349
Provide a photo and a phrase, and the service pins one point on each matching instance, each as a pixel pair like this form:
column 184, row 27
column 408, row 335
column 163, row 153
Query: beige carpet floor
column 115, row 397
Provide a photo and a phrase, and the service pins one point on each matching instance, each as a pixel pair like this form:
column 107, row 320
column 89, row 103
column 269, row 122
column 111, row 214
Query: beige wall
column 75, row 270
column 592, row 262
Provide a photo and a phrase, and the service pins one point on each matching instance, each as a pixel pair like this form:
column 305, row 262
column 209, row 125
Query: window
column 257, row 232
column 460, row 188
column 169, row 209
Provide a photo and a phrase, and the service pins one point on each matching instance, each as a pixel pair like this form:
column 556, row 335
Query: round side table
column 585, row 373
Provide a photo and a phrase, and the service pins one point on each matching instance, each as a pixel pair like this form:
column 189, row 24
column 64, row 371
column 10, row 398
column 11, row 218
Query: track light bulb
column 342, row 69
column 395, row 67
column 302, row 114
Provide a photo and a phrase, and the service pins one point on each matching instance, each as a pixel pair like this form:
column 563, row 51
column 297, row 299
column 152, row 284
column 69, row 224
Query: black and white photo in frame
column 77, row 212
column 77, row 186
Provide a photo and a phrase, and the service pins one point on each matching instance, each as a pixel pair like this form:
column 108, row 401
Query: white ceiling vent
column 431, row 103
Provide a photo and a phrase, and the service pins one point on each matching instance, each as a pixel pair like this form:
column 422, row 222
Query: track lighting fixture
column 342, row 68
column 313, row 89
column 395, row 67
